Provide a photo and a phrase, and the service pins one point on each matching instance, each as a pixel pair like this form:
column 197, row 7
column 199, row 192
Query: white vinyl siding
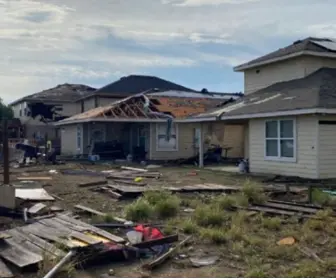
column 327, row 147
column 306, row 150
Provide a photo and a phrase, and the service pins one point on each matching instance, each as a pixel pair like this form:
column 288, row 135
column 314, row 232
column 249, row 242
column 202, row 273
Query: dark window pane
column 286, row 129
column 271, row 148
column 272, row 129
column 287, row 148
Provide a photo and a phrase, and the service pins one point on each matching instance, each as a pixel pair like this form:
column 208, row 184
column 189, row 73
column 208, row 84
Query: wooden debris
column 134, row 169
column 126, row 182
column 309, row 253
column 33, row 194
column 91, row 184
column 90, row 210
column 56, row 209
column 57, row 197
column 5, row 271
column 162, row 258
column 36, row 208
column 155, row 242
column 34, row 178
column 29, row 244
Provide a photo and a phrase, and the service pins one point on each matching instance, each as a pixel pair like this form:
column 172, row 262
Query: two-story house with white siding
column 37, row 112
column 288, row 111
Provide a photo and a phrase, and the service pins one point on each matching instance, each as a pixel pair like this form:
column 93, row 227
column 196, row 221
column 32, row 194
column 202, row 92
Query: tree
column 5, row 111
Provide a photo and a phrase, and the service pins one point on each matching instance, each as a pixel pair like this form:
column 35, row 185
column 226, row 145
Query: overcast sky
column 192, row 42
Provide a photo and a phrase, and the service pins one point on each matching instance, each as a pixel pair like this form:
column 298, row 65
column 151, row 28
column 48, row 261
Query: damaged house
column 38, row 111
column 151, row 126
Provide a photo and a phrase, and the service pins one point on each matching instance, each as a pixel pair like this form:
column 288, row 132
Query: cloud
column 195, row 3
column 94, row 41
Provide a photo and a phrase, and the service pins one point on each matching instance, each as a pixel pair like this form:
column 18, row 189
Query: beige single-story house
column 290, row 127
column 144, row 120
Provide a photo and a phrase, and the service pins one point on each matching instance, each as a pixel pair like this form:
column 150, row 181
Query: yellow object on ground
column 286, row 241
column 138, row 179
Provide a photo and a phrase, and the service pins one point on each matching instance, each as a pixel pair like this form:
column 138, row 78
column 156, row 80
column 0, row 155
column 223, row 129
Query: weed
column 209, row 216
column 235, row 233
column 323, row 199
column 226, row 202
column 109, row 218
column 155, row 197
column 140, row 210
column 167, row 208
column 307, row 269
column 189, row 227
column 256, row 273
column 214, row 235
column 254, row 192
column 272, row 223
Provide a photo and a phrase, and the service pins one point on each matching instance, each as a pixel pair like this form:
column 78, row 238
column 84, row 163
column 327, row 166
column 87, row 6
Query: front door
column 143, row 134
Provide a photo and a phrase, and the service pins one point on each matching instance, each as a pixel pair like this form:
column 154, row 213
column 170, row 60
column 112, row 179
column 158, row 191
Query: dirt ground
column 245, row 243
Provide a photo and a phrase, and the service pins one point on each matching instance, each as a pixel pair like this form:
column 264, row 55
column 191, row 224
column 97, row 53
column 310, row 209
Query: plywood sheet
column 35, row 194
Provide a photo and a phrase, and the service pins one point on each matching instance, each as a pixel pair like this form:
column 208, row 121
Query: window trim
column 279, row 157
column 158, row 149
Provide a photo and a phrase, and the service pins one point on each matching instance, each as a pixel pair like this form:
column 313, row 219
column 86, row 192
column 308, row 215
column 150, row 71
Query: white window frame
column 158, row 149
column 279, row 157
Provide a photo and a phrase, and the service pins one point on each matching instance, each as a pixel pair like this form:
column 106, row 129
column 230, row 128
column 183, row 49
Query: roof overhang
column 244, row 67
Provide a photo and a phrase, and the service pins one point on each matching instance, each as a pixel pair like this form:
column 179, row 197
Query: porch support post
column 201, row 147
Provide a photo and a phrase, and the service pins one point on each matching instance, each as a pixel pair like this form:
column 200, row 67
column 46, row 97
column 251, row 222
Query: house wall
column 283, row 71
column 69, row 140
column 306, row 153
column 227, row 135
column 327, row 148
column 185, row 143
column 89, row 103
column 69, row 109
column 217, row 133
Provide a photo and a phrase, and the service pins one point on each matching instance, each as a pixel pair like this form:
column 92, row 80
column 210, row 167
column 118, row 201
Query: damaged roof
column 134, row 84
column 310, row 44
column 317, row 90
column 142, row 106
column 60, row 93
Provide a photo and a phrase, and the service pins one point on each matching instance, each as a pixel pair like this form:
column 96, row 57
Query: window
column 280, row 140
column 161, row 137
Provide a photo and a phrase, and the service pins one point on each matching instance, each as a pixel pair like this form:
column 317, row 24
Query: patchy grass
column 254, row 192
column 189, row 227
column 272, row 223
column 323, row 199
column 214, row 235
column 140, row 210
column 209, row 216
column 154, row 204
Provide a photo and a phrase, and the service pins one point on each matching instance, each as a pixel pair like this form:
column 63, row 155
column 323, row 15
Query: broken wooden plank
column 44, row 245
column 155, row 242
column 91, row 184
column 5, row 272
column 134, row 169
column 162, row 258
column 273, row 211
column 89, row 210
column 65, row 231
column 56, row 209
column 289, row 207
column 35, row 178
column 98, row 231
column 36, row 208
column 127, row 182
column 18, row 255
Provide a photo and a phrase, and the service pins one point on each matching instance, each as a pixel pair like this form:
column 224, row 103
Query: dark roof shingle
column 134, row 84
column 308, row 44
column 317, row 90
column 60, row 93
